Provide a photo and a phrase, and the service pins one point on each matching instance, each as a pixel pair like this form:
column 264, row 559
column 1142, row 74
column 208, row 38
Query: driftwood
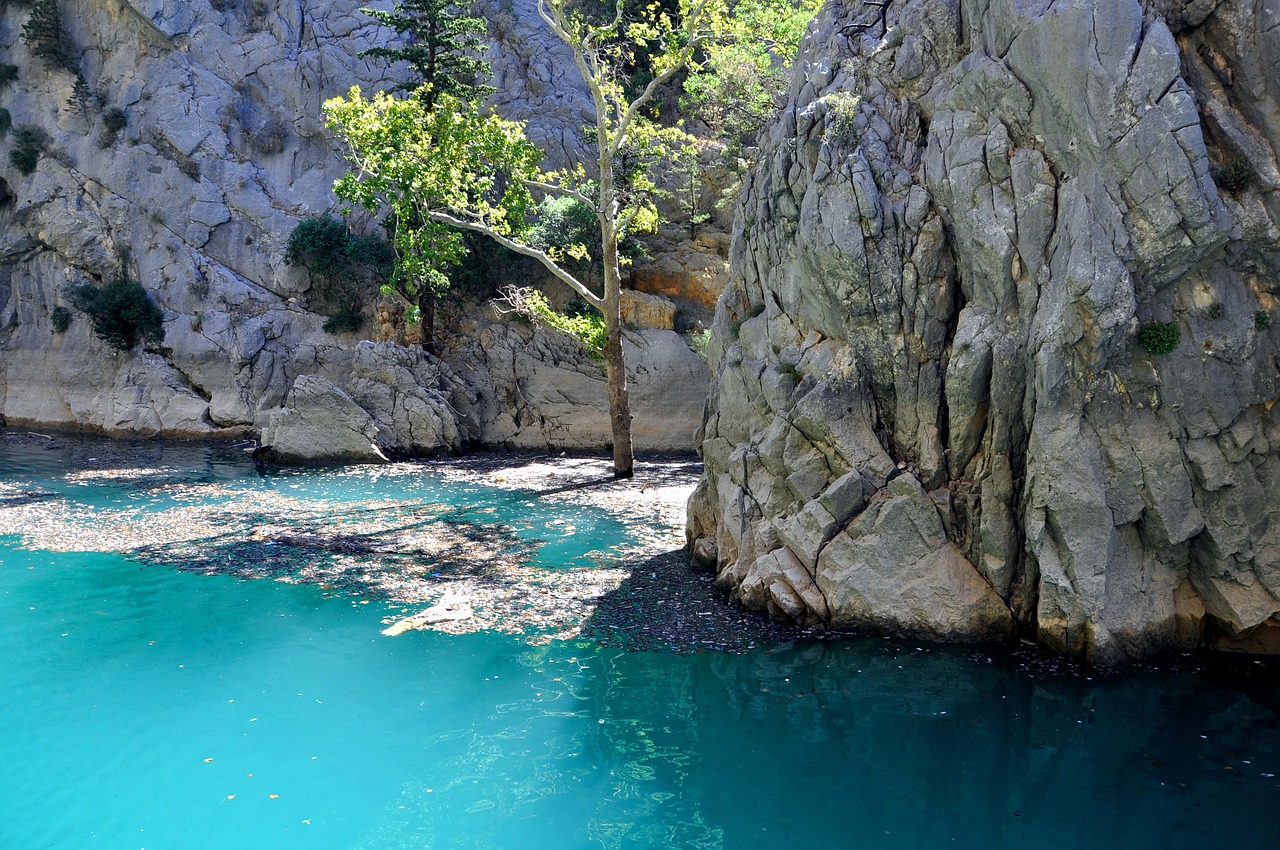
column 450, row 606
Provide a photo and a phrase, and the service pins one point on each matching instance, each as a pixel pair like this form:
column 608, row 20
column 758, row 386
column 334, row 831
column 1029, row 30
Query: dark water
column 143, row 707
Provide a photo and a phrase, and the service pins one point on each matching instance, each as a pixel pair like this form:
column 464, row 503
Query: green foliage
column 586, row 326
column 114, row 120
column 344, row 321
column 844, row 109
column 1235, row 174
column 8, row 73
column 429, row 167
column 6, row 121
column 60, row 319
column 44, row 34
column 442, row 47
column 121, row 311
column 327, row 248
column 28, row 144
column 83, row 99
column 568, row 229
column 699, row 341
column 345, row 267
column 1216, row 310
column 1261, row 320
column 1159, row 337
column 747, row 68
column 486, row 267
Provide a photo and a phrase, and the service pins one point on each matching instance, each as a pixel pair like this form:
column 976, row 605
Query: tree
column 43, row 33
column 442, row 47
column 747, row 66
column 452, row 167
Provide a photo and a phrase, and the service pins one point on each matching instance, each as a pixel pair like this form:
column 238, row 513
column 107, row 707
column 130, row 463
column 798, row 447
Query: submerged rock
column 931, row 412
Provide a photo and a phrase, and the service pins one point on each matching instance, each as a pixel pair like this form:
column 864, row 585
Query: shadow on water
column 318, row 549
column 927, row 749
column 31, row 497
column 668, row 606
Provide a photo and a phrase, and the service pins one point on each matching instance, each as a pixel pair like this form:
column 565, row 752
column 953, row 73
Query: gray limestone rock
column 930, row 413
column 536, row 388
column 321, row 423
column 222, row 153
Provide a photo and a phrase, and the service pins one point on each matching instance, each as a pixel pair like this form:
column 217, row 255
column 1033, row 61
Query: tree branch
column 520, row 248
column 594, row 33
column 626, row 219
column 561, row 190
column 685, row 52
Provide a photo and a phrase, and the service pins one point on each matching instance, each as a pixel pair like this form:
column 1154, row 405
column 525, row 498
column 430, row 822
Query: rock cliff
column 221, row 153
column 931, row 412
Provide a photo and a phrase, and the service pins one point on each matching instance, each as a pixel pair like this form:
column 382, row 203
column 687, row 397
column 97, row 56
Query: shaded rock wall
column 223, row 152
column 929, row 412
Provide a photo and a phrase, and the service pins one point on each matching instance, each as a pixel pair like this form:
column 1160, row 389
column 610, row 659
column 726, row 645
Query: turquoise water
column 144, row 707
column 156, row 470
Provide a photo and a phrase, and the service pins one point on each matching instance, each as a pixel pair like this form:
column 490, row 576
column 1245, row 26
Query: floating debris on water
column 444, row 567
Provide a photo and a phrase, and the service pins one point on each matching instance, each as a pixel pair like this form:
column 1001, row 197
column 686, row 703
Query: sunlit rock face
column 222, row 153
column 930, row 410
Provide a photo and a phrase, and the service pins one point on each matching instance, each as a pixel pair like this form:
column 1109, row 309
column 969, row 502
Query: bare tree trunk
column 616, row 372
column 427, row 320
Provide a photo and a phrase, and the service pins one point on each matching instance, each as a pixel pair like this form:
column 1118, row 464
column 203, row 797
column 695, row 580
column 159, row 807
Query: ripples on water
column 142, row 707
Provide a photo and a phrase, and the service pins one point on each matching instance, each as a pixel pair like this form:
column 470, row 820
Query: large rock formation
column 223, row 151
column 930, row 411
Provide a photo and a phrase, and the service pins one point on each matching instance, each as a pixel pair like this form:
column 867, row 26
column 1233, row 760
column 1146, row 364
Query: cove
column 147, row 706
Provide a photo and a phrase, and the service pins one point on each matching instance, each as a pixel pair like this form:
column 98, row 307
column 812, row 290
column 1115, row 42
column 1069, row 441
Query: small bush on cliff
column 6, row 121
column 8, row 73
column 28, row 144
column 1159, row 337
column 842, row 127
column 60, row 319
column 121, row 311
column 699, row 341
column 344, row 266
column 1235, row 174
column 1261, row 320
column 114, row 120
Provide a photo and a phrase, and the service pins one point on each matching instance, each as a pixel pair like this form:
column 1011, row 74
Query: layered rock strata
column 930, row 409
